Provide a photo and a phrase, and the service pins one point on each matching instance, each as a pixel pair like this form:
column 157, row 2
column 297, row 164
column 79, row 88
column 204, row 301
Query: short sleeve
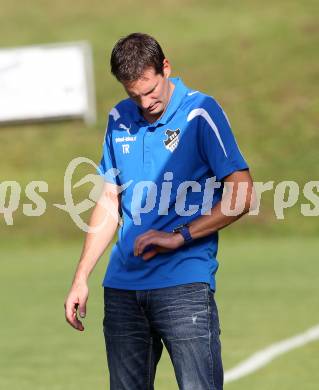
column 218, row 143
column 107, row 165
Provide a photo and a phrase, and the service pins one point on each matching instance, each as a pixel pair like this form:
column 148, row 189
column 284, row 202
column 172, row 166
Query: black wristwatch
column 184, row 231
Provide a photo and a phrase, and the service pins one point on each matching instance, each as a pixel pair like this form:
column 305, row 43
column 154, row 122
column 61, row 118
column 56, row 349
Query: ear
column 166, row 68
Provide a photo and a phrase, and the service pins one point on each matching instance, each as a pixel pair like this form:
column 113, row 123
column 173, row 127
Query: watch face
column 178, row 229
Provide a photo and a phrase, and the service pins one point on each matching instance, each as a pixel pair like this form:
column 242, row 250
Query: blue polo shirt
column 168, row 171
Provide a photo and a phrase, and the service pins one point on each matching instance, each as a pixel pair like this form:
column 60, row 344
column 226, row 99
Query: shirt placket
column 148, row 141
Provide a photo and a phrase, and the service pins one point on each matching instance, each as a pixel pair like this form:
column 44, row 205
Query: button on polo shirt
column 168, row 169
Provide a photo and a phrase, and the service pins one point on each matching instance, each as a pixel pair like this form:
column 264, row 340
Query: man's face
column 151, row 92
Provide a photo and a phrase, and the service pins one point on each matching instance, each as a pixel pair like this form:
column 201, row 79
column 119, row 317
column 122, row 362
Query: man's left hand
column 158, row 242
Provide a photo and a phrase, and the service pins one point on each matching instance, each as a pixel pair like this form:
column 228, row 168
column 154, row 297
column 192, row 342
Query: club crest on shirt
column 172, row 139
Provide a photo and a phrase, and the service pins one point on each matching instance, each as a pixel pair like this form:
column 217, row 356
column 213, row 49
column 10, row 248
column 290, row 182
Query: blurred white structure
column 47, row 82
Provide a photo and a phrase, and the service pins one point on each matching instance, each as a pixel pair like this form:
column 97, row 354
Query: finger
column 148, row 255
column 146, row 242
column 69, row 310
column 136, row 244
column 82, row 308
column 154, row 239
column 158, row 249
column 71, row 316
column 151, row 238
column 75, row 323
column 140, row 239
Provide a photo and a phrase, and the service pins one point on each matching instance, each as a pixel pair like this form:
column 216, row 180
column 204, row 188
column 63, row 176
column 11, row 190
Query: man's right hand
column 75, row 304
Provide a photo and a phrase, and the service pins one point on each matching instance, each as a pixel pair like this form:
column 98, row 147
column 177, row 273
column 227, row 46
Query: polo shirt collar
column 179, row 93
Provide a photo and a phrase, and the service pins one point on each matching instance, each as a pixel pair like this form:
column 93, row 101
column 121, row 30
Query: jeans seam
column 209, row 308
column 150, row 364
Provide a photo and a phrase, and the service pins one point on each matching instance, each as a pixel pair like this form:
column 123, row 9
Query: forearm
column 234, row 204
column 209, row 224
column 103, row 225
column 236, row 201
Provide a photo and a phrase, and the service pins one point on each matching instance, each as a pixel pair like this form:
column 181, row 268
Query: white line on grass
column 265, row 356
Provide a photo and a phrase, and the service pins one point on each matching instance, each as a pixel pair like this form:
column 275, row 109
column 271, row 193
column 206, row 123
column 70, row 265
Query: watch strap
column 184, row 231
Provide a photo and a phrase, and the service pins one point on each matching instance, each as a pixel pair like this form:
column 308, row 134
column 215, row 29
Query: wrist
column 183, row 230
column 178, row 238
column 79, row 280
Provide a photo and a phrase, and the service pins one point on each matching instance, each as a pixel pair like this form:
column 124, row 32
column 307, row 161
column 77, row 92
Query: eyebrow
column 146, row 93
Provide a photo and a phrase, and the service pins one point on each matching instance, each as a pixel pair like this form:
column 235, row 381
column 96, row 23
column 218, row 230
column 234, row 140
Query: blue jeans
column 183, row 317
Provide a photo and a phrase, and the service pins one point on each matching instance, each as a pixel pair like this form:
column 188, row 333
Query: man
column 168, row 154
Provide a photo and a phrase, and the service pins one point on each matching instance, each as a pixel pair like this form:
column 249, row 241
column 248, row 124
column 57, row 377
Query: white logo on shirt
column 128, row 129
column 126, row 148
column 125, row 139
column 192, row 93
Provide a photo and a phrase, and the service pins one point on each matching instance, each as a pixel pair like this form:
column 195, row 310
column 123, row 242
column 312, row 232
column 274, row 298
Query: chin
column 158, row 111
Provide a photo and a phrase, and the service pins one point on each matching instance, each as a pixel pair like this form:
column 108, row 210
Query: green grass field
column 267, row 291
column 260, row 60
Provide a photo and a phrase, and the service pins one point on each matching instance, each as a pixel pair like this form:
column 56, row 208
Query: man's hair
column 133, row 54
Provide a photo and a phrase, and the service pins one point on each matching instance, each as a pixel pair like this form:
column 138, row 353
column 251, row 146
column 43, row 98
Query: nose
column 145, row 102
